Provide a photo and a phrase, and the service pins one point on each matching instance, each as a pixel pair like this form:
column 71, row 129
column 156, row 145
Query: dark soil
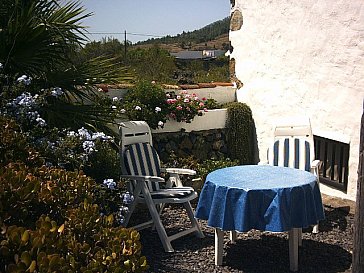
column 253, row 252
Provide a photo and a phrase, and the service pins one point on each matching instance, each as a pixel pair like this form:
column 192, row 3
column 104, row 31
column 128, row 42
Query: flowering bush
column 184, row 107
column 93, row 152
column 148, row 102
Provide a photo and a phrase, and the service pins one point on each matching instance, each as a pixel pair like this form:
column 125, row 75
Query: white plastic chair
column 293, row 146
column 141, row 166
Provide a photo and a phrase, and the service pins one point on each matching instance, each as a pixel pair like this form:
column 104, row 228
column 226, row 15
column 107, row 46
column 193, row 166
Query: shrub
column 71, row 233
column 149, row 102
column 240, row 127
column 14, row 145
column 202, row 168
column 146, row 101
column 86, row 242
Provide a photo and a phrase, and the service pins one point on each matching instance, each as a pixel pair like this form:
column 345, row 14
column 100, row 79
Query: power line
column 130, row 33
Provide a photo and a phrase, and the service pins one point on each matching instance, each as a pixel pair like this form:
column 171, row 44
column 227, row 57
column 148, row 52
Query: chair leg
column 166, row 242
column 193, row 220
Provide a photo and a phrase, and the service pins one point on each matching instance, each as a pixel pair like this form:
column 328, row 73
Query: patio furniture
column 293, row 147
column 263, row 197
column 141, row 167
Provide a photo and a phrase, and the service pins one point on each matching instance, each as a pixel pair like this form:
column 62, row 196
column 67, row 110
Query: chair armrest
column 179, row 171
column 143, row 178
column 316, row 164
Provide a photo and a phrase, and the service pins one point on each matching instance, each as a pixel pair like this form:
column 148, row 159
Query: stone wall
column 302, row 58
column 202, row 145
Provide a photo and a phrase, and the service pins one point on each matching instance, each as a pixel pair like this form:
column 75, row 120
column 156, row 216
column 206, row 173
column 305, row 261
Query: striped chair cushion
column 142, row 159
column 291, row 152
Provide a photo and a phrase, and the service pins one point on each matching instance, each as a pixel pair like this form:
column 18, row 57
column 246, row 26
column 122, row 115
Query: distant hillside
column 212, row 36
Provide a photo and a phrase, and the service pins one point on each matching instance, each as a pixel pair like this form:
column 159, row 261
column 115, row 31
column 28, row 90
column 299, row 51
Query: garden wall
column 206, row 144
column 204, row 137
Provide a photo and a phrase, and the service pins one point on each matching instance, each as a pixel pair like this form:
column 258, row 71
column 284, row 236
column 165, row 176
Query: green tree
column 152, row 64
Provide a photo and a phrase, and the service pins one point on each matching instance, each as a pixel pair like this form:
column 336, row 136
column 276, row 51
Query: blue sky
column 151, row 17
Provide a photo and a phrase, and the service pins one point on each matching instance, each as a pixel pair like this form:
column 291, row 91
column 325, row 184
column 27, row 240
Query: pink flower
column 178, row 97
column 203, row 98
column 179, row 107
column 205, row 110
column 201, row 104
column 186, row 100
column 196, row 98
column 171, row 101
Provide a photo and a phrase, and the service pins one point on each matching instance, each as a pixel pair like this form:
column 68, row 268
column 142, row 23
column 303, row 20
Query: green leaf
column 25, row 236
column 26, row 258
column 32, row 266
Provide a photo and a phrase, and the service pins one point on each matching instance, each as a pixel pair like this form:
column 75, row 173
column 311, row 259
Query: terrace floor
column 328, row 251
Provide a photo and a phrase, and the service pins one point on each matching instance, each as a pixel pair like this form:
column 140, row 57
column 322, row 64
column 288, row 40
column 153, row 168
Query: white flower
column 138, row 108
column 41, row 122
column 56, row 92
column 24, row 79
column 157, row 109
column 71, row 133
column 113, row 107
column 100, row 135
column 88, row 146
column 109, row 183
column 115, row 99
column 160, row 123
column 1, row 66
column 128, row 198
column 83, row 133
column 123, row 111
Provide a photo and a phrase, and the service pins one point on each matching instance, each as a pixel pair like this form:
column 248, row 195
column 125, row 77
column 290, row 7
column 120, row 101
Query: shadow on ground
column 254, row 251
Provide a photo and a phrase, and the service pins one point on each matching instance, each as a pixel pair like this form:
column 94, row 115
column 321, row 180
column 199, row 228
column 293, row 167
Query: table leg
column 219, row 246
column 293, row 235
column 232, row 236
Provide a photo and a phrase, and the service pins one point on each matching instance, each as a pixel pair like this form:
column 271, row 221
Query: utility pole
column 125, row 57
column 358, row 252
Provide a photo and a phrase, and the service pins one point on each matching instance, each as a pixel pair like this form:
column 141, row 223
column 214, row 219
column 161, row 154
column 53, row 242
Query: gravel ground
column 253, row 252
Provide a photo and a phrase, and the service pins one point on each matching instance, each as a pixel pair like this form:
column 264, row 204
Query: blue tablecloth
column 260, row 197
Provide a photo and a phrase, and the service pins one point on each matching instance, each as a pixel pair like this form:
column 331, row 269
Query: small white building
column 304, row 58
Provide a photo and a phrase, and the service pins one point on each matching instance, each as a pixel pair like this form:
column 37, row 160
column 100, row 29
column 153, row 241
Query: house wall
column 302, row 58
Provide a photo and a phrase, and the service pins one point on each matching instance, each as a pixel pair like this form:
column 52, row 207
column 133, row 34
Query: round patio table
column 262, row 197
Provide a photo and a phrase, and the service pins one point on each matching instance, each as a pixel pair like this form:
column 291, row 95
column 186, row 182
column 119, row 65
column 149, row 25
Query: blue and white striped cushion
column 142, row 159
column 291, row 152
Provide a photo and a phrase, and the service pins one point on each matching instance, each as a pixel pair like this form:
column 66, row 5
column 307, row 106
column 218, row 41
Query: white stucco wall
column 213, row 119
column 303, row 58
